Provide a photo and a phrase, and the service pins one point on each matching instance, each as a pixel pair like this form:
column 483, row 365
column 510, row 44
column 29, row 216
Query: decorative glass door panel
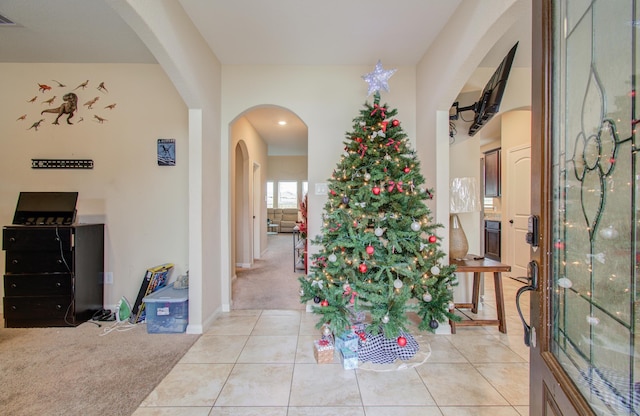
column 594, row 216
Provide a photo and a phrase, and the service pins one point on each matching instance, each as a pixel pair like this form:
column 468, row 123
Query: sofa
column 286, row 218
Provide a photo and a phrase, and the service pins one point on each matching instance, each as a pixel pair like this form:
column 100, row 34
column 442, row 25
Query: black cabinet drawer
column 44, row 262
column 53, row 274
column 55, row 307
column 52, row 284
column 37, row 239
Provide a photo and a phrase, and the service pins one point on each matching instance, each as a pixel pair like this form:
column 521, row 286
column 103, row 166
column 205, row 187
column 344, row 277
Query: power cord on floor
column 119, row 327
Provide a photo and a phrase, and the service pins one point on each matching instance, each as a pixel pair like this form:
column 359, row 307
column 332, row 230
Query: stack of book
column 154, row 279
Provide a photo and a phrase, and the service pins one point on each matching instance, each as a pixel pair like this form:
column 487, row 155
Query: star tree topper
column 378, row 79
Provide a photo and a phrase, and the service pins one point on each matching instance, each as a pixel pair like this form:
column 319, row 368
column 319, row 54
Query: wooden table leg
column 502, row 326
column 476, row 292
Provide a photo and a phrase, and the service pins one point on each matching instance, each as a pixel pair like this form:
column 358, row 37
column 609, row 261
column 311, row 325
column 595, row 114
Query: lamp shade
column 464, row 195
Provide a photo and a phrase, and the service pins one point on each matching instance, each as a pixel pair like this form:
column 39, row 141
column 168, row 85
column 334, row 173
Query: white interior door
column 518, row 204
column 256, row 225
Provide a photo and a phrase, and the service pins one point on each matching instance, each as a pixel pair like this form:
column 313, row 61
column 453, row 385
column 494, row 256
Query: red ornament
column 370, row 250
column 324, row 303
column 432, row 239
column 362, row 268
column 402, row 341
column 359, row 139
column 407, row 169
column 395, row 123
column 376, row 190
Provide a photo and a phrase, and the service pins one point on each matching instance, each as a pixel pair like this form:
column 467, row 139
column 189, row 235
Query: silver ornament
column 593, row 320
column 609, row 233
column 415, row 226
column 427, row 297
column 367, row 177
column 397, row 283
column 385, row 319
column 435, row 270
column 565, row 283
column 332, row 258
column 378, row 232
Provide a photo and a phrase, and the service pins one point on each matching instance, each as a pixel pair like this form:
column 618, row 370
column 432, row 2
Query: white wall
column 195, row 71
column 143, row 205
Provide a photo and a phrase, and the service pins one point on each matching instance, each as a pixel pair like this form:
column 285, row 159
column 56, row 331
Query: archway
column 260, row 146
column 242, row 237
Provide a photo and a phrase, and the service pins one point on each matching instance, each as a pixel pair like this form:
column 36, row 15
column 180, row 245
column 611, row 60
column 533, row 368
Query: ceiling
column 249, row 32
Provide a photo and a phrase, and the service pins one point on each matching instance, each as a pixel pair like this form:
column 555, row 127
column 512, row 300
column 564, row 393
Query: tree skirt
column 380, row 350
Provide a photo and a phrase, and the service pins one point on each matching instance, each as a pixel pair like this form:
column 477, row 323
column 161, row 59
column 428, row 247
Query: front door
column 585, row 196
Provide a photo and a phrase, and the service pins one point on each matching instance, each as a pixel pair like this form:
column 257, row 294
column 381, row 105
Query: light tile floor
column 260, row 362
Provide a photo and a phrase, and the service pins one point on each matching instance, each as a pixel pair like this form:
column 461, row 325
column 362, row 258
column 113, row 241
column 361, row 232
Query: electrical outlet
column 108, row 278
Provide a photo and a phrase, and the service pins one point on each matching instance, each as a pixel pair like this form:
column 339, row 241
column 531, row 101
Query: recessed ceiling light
column 282, row 122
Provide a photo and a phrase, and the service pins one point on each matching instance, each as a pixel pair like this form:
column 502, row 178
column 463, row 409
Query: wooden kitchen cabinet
column 492, row 173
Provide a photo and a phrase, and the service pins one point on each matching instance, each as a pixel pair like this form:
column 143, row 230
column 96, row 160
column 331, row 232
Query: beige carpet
column 76, row 371
column 271, row 283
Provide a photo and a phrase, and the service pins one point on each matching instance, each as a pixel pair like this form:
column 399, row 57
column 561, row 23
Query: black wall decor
column 62, row 163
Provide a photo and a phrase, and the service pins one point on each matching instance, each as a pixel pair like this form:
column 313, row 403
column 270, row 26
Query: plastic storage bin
column 167, row 310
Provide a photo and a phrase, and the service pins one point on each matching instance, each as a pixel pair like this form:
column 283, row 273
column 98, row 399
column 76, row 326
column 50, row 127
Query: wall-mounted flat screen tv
column 489, row 103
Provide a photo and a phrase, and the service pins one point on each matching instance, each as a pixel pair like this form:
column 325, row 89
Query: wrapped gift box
column 323, row 351
column 348, row 358
column 348, row 339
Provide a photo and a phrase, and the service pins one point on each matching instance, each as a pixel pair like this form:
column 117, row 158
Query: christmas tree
column 379, row 252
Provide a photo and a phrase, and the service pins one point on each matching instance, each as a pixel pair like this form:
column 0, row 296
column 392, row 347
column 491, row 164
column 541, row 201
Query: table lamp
column 464, row 197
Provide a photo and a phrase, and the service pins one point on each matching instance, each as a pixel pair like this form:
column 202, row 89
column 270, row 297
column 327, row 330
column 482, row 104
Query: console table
column 477, row 265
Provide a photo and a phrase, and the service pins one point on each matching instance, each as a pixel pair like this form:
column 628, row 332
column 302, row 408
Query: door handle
column 532, row 277
column 510, row 221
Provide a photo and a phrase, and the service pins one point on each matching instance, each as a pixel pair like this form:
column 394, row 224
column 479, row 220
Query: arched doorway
column 268, row 144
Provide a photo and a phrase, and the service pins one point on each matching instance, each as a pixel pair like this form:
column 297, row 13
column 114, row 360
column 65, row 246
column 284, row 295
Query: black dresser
column 53, row 274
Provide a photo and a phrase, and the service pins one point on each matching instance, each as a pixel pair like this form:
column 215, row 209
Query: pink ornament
column 407, row 169
column 370, row 250
column 395, row 123
column 362, row 268
column 324, row 303
column 432, row 239
column 376, row 190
